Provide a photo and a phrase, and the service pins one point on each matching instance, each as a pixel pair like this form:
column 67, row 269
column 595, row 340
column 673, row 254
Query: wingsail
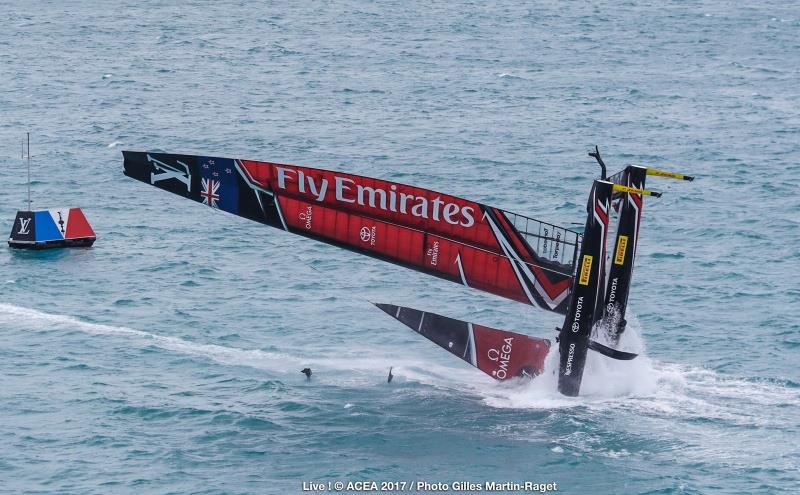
column 498, row 353
column 479, row 246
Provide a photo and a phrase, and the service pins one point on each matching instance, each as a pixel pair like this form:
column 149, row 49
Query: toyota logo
column 365, row 234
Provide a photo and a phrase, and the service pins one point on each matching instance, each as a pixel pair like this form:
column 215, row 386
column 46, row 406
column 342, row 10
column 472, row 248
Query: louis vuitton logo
column 179, row 172
column 24, row 224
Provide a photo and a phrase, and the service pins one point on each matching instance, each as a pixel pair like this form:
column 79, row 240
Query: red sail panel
column 474, row 267
column 503, row 354
column 382, row 238
column 479, row 247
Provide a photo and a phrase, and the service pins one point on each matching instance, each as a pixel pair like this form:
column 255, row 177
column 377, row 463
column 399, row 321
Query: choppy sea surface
column 166, row 358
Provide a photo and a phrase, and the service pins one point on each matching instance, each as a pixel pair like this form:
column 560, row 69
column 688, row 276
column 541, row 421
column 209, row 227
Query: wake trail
column 274, row 362
column 648, row 385
column 222, row 354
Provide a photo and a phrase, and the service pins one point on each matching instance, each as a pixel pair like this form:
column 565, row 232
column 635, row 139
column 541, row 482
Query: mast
column 29, row 170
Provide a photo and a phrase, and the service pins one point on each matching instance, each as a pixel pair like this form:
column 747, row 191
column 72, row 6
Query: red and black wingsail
column 500, row 354
column 463, row 241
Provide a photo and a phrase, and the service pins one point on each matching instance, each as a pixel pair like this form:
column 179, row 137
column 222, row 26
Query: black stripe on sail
column 516, row 260
column 447, row 333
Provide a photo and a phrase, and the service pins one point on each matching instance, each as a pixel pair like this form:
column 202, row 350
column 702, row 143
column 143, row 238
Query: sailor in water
column 307, row 372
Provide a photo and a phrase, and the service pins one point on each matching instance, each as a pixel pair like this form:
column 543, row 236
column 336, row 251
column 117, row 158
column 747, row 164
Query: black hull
column 83, row 242
column 587, row 292
column 624, row 253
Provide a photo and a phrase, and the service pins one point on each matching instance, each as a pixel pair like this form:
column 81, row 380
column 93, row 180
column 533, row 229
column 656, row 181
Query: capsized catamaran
column 479, row 246
column 599, row 296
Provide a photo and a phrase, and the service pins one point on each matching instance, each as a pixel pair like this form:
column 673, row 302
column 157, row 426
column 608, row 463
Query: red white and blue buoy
column 52, row 228
column 57, row 227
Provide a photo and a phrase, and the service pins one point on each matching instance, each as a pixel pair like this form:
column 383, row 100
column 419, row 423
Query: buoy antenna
column 29, row 170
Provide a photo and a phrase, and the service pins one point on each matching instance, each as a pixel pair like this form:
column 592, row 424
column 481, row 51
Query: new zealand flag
column 219, row 185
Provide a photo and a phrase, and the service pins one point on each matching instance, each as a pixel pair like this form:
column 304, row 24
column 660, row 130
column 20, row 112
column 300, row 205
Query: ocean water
column 166, row 358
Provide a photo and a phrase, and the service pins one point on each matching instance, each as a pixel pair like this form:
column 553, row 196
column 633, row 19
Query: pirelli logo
column 622, row 245
column 586, row 269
